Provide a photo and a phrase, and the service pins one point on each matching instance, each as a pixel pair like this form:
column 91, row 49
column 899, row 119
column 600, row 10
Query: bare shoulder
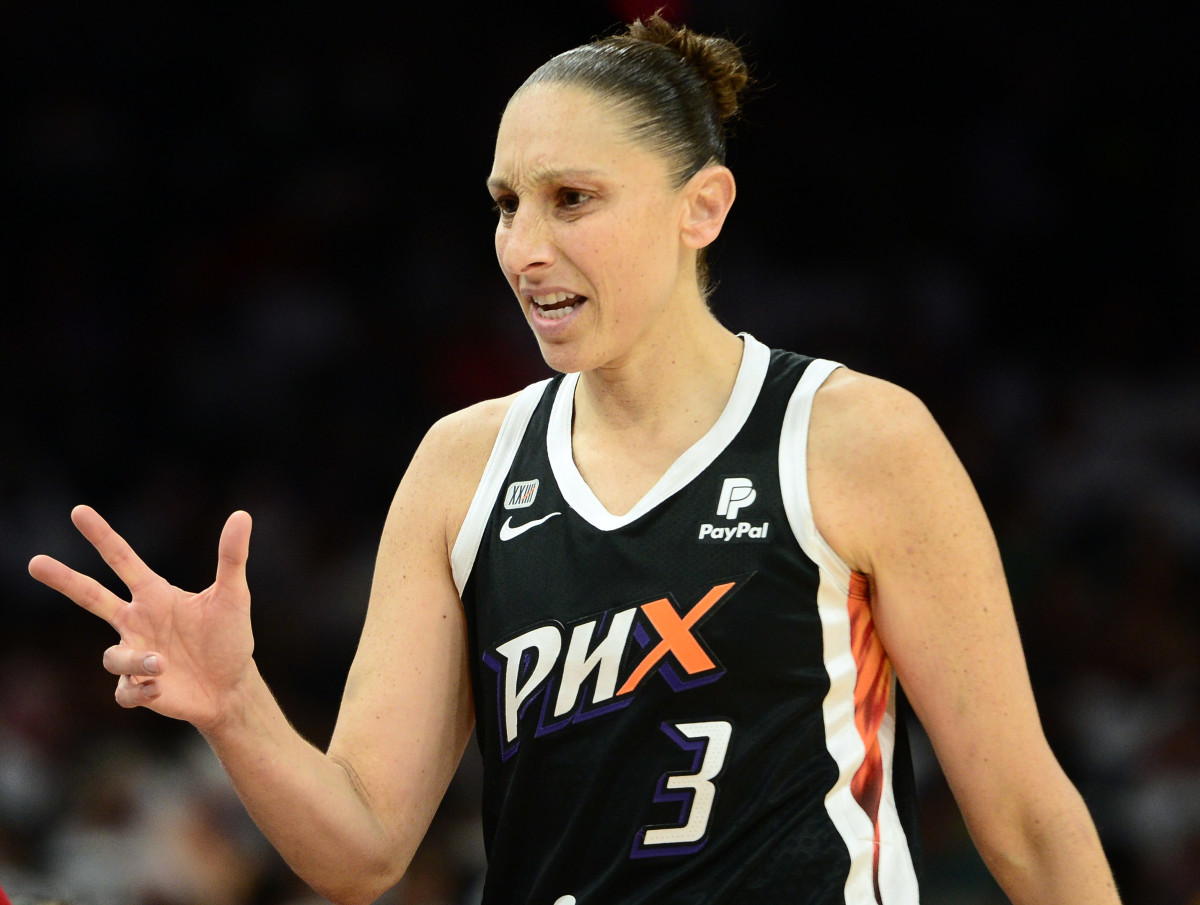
column 864, row 429
column 451, row 460
column 459, row 443
column 852, row 406
column 874, row 450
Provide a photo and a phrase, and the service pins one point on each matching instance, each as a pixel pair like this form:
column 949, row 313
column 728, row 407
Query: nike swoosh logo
column 508, row 532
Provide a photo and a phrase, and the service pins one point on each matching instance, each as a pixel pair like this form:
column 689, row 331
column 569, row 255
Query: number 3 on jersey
column 695, row 792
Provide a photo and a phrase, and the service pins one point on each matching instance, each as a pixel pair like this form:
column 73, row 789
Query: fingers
column 82, row 589
column 233, row 551
column 133, row 692
column 122, row 660
column 112, row 548
column 137, row 669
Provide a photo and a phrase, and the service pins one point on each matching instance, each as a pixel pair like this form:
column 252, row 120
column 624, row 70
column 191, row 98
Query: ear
column 707, row 196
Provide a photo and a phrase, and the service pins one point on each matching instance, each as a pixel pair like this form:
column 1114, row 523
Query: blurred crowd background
column 248, row 260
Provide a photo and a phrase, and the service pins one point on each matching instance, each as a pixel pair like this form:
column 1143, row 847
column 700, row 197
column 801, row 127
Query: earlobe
column 709, row 196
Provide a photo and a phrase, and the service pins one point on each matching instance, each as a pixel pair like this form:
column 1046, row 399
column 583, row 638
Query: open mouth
column 556, row 305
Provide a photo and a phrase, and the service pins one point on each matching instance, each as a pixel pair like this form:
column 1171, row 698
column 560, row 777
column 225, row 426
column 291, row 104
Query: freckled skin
column 586, row 209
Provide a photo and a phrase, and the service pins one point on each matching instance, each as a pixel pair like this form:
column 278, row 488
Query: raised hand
column 181, row 654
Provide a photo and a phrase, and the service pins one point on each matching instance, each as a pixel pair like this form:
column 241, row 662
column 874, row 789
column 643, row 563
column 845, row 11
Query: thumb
column 233, row 551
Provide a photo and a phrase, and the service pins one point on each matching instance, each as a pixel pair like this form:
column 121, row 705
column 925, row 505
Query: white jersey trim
column 504, row 450
column 751, row 373
column 897, row 875
column 793, row 473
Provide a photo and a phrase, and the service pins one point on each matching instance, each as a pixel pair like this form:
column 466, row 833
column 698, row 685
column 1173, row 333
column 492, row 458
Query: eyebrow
column 539, row 176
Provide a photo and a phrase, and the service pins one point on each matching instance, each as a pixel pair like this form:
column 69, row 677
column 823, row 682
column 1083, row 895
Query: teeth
column 552, row 298
column 556, row 313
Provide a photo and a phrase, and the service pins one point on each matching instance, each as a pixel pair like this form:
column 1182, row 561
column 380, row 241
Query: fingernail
column 150, row 664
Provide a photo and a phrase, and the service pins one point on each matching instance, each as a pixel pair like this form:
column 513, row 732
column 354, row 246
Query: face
column 589, row 229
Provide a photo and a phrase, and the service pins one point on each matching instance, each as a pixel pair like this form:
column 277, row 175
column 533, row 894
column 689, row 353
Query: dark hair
column 676, row 88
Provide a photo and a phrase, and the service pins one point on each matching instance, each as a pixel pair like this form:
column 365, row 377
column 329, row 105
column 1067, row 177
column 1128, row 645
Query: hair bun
column 718, row 61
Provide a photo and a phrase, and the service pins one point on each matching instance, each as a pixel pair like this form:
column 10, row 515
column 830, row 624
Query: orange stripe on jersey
column 872, row 688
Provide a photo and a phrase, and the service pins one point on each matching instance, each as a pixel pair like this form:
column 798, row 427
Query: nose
column 524, row 243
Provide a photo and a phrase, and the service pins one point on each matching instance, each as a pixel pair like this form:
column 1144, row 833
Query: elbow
column 361, row 881
column 1048, row 850
column 365, row 865
column 359, row 889
column 357, row 897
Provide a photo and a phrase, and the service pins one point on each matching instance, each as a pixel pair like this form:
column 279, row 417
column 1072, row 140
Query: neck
column 678, row 385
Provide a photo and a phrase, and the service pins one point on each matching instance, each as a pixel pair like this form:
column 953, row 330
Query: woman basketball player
column 673, row 588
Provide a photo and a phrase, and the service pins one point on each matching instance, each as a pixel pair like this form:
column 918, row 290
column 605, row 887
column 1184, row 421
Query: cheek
column 617, row 246
column 646, row 248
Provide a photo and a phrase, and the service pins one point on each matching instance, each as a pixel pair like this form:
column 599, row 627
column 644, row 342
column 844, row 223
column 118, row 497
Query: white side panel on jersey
column 751, row 374
column 896, row 870
column 897, row 876
column 504, row 450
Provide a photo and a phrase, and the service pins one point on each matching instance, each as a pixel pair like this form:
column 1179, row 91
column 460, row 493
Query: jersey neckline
column 579, row 496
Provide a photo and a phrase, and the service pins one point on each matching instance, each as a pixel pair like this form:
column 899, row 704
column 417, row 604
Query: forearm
column 307, row 804
column 1048, row 853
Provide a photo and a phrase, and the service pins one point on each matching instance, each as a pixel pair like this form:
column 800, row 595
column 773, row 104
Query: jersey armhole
column 504, row 450
column 793, row 474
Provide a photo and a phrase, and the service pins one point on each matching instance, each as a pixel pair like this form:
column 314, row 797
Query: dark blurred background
column 249, row 261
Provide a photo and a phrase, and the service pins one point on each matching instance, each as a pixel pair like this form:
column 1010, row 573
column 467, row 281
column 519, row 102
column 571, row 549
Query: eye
column 573, row 198
column 506, row 206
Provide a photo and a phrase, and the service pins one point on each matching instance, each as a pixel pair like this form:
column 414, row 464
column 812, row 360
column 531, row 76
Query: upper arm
column 893, row 500
column 406, row 712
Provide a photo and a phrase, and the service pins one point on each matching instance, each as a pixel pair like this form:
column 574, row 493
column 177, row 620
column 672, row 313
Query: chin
column 562, row 360
column 566, row 357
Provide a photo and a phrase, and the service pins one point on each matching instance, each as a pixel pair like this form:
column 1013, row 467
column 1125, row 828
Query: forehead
column 549, row 129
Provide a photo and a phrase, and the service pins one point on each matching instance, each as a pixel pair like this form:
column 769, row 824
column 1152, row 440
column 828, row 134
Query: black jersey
column 686, row 703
